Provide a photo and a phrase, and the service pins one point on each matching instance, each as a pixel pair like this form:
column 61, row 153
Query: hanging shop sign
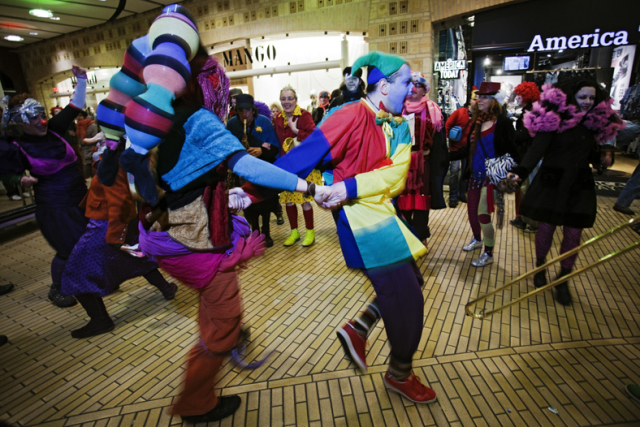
column 596, row 39
column 239, row 58
column 567, row 24
column 450, row 69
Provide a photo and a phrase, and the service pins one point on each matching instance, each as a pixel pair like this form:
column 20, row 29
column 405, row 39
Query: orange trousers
column 220, row 321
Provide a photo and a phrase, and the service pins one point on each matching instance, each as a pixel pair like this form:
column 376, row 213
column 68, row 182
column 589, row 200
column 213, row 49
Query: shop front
column 451, row 65
column 310, row 62
column 548, row 41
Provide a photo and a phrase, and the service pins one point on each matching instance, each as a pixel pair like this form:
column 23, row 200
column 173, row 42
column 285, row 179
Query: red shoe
column 354, row 345
column 411, row 388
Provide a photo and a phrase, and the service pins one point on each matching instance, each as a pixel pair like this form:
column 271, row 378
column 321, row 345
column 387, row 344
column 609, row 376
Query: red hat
column 489, row 88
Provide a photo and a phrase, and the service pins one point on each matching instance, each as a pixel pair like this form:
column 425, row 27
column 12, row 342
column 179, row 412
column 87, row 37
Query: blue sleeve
column 313, row 152
column 268, row 131
column 352, row 187
column 261, row 173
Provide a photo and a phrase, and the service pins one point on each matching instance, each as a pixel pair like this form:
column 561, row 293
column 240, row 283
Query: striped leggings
column 570, row 240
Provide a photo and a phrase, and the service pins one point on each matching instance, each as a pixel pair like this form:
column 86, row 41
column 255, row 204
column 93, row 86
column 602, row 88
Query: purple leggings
column 570, row 240
column 399, row 299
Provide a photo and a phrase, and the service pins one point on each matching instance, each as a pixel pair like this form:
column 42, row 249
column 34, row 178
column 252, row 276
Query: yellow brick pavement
column 507, row 370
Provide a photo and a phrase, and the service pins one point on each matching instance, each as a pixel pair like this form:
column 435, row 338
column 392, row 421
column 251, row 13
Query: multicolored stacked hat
column 139, row 103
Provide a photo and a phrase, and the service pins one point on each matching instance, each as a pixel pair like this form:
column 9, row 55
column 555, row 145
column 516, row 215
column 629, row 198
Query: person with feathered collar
column 569, row 126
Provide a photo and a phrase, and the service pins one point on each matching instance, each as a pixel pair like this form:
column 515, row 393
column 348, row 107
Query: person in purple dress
column 54, row 173
column 106, row 255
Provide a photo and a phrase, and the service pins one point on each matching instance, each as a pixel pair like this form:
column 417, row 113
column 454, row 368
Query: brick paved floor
column 506, row 370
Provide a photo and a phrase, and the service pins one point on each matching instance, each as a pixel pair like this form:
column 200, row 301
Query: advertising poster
column 621, row 62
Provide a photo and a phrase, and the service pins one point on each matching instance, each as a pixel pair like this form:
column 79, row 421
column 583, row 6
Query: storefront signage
column 596, row 39
column 450, row 69
column 240, row 57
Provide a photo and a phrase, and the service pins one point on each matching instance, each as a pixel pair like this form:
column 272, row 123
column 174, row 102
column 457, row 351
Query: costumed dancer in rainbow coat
column 369, row 149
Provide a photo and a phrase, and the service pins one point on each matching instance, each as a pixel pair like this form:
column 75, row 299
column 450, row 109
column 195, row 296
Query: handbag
column 455, row 134
column 498, row 167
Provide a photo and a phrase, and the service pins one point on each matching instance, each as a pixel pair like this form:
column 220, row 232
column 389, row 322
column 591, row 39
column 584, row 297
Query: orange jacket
column 113, row 204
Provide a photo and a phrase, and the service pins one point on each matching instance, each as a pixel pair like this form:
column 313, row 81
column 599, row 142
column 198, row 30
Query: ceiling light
column 55, row 18
column 499, row 71
column 13, row 38
column 487, row 61
column 41, row 13
column 33, row 34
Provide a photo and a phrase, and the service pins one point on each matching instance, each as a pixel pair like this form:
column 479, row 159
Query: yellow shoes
column 309, row 238
column 293, row 237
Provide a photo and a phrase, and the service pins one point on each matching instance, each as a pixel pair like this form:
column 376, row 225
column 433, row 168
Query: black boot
column 226, row 406
column 540, row 278
column 266, row 230
column 157, row 279
column 278, row 211
column 562, row 290
column 59, row 300
column 100, row 322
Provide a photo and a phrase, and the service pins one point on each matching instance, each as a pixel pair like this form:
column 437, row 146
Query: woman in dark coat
column 491, row 136
column 568, row 125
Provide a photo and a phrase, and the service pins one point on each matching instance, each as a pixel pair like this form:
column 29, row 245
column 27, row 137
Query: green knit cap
column 386, row 63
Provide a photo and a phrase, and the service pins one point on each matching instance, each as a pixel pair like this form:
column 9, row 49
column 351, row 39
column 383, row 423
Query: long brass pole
column 592, row 241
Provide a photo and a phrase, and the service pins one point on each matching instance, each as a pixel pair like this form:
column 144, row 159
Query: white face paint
column 352, row 83
column 399, row 90
column 586, row 97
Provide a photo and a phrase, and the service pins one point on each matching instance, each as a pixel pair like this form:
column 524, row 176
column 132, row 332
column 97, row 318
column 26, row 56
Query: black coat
column 563, row 191
column 503, row 143
column 438, row 167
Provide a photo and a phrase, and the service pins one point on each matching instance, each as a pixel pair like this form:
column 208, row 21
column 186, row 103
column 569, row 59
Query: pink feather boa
column 553, row 114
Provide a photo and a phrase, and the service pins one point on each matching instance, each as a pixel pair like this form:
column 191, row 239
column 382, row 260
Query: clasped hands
column 327, row 197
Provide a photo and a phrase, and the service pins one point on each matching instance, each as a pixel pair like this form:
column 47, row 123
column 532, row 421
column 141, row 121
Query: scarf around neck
column 296, row 112
column 426, row 104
